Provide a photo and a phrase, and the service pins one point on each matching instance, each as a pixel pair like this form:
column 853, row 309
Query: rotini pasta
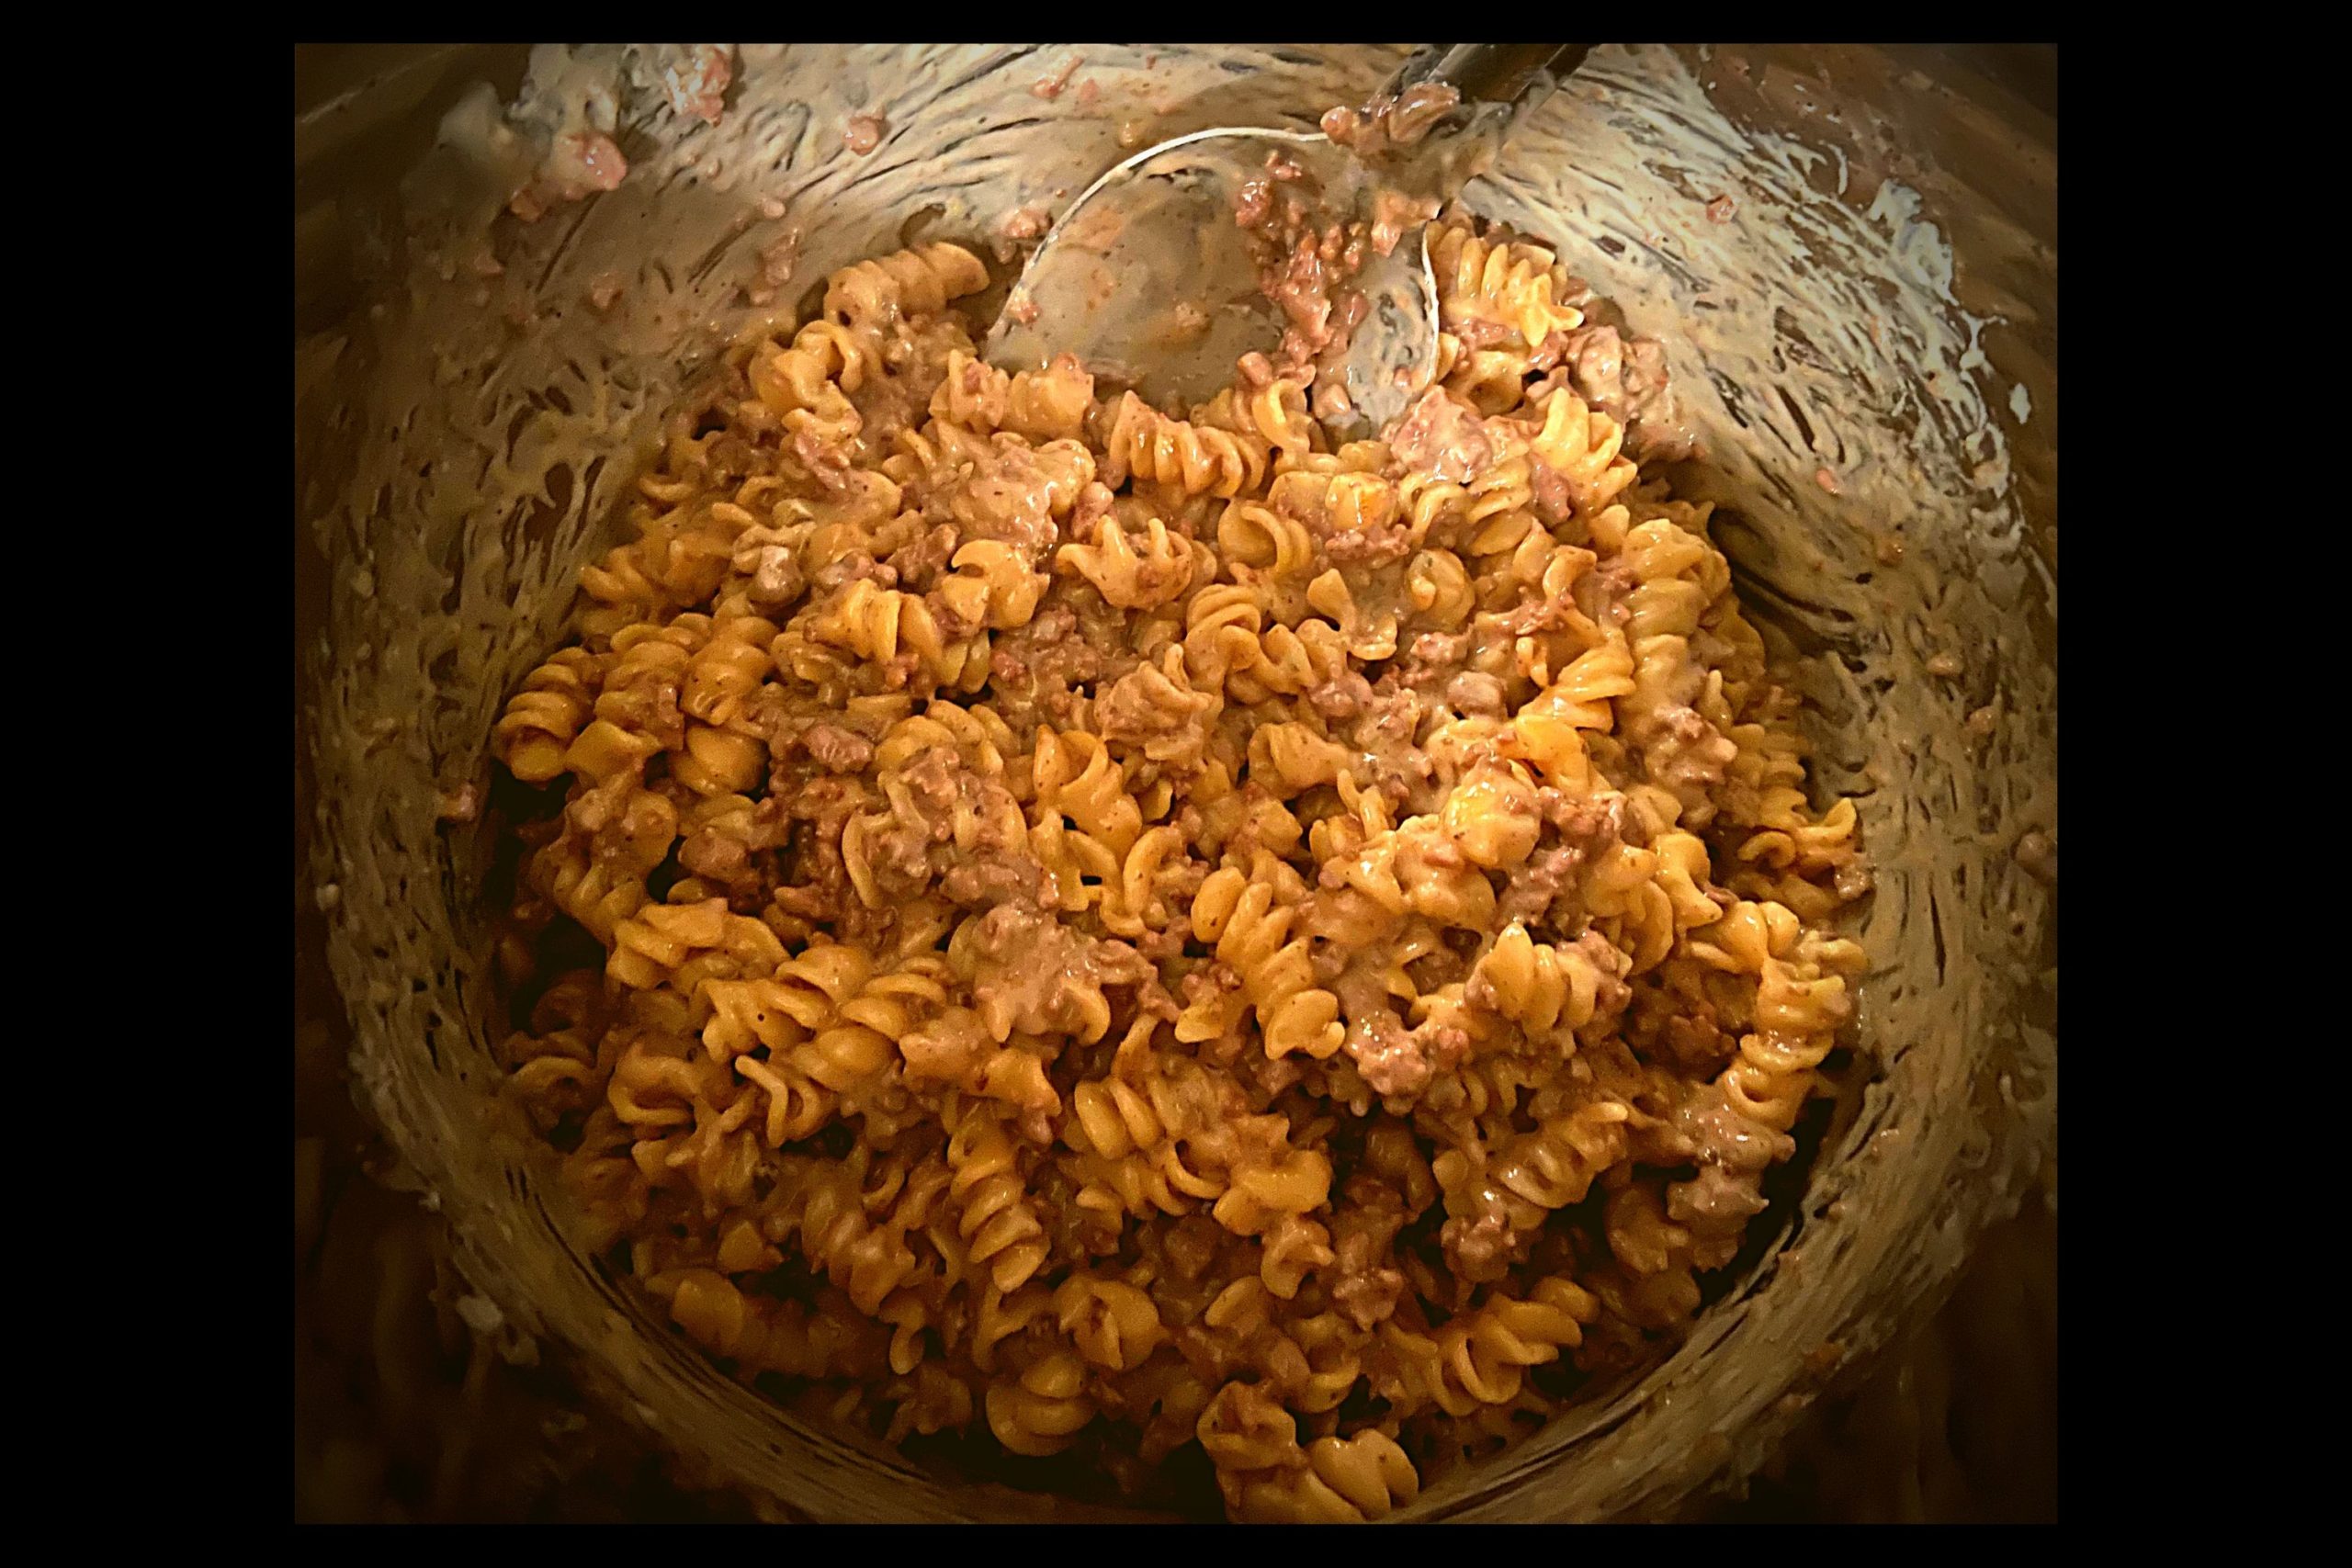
column 1124, row 931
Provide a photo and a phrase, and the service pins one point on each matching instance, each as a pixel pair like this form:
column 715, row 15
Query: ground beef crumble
column 1053, row 982
column 1442, row 435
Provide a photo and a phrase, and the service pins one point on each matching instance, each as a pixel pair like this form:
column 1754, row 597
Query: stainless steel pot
column 1871, row 333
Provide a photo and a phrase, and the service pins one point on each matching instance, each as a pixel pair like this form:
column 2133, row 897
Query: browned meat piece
column 836, row 750
column 1442, row 436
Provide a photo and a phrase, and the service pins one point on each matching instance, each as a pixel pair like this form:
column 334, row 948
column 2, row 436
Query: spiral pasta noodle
column 1118, row 933
column 1193, row 460
column 919, row 281
column 1501, row 284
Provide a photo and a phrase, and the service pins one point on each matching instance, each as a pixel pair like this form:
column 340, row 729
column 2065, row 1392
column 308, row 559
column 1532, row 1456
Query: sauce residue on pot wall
column 467, row 440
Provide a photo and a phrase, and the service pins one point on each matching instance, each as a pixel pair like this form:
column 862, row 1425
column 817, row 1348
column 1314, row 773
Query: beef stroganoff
column 1123, row 930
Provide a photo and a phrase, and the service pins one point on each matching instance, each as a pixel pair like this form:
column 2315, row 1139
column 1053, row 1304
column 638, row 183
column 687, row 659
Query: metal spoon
column 1150, row 281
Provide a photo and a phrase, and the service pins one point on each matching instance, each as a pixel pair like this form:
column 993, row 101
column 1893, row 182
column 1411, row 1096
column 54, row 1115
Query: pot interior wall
column 1867, row 346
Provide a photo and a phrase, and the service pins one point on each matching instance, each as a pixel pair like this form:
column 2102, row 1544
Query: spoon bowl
column 1153, row 275
column 1149, row 271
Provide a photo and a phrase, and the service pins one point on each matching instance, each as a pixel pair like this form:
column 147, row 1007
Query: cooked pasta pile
column 1123, row 930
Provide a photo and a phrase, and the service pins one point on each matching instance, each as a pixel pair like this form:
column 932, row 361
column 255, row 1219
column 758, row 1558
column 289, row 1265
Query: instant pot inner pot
column 1864, row 341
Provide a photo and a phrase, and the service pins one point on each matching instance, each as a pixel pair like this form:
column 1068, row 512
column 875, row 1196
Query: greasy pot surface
column 1879, row 310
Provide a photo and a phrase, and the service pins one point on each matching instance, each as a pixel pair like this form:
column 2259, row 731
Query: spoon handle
column 1494, row 73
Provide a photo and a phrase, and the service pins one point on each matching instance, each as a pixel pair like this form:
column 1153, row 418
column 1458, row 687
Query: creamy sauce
column 464, row 442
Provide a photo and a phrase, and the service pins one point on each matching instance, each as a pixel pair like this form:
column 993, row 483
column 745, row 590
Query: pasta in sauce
column 1122, row 932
